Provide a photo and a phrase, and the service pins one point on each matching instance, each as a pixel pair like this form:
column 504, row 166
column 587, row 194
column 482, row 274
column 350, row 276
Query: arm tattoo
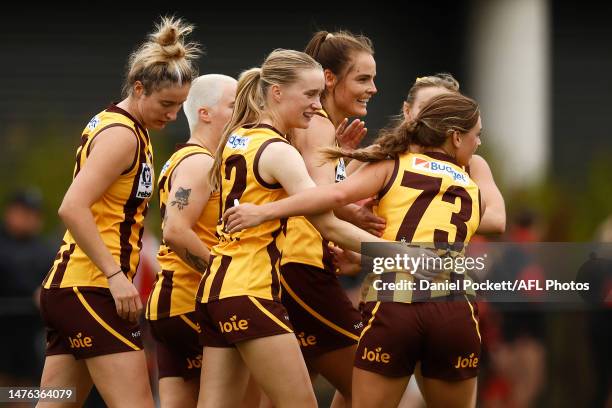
column 181, row 198
column 198, row 263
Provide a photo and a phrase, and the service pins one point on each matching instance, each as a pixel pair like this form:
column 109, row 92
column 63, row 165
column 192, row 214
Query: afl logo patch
column 145, row 182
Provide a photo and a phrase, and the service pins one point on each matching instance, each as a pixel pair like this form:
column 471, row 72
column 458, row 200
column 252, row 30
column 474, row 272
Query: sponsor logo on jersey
column 80, row 341
column 238, row 142
column 93, row 123
column 470, row 361
column 194, row 362
column 439, row 167
column 145, row 182
column 376, row 355
column 234, row 324
column 306, row 341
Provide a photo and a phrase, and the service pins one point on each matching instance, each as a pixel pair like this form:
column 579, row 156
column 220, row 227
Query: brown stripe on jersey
column 263, row 126
column 61, row 267
column 59, row 254
column 217, row 283
column 79, row 155
column 139, row 243
column 442, row 156
column 148, row 309
column 275, row 257
column 459, row 278
column 203, row 280
column 129, row 210
column 323, row 115
column 387, row 186
column 162, row 211
column 386, row 293
column 165, row 295
column 480, row 211
column 180, row 146
column 418, row 294
column 258, row 177
column 115, row 109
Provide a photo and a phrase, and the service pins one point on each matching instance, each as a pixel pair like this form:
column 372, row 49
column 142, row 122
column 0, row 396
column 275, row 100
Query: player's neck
column 201, row 136
column 335, row 115
column 129, row 106
column 276, row 123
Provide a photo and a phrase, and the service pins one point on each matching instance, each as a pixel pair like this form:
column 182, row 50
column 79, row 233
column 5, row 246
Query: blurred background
column 540, row 69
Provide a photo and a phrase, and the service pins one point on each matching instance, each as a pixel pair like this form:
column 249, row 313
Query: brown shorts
column 83, row 321
column 228, row 321
column 443, row 336
column 322, row 316
column 179, row 353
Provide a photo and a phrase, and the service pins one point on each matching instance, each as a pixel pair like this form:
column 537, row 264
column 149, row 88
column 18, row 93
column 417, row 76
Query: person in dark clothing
column 25, row 258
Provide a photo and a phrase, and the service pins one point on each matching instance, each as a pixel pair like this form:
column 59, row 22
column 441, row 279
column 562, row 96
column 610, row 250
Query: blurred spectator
column 26, row 258
column 514, row 354
column 600, row 325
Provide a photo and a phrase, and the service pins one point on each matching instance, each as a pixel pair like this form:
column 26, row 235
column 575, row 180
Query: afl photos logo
column 145, row 182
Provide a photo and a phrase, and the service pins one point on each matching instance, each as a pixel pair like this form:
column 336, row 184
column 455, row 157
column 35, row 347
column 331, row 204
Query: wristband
column 119, row 271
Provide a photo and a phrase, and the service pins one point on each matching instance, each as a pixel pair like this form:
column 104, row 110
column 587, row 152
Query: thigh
column 224, row 381
column 122, row 379
column 277, row 365
column 373, row 390
column 176, row 392
column 449, row 394
column 64, row 371
column 337, row 367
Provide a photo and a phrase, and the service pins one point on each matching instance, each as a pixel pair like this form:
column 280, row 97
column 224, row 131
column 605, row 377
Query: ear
column 456, row 138
column 276, row 92
column 330, row 78
column 138, row 89
column 204, row 114
column 406, row 110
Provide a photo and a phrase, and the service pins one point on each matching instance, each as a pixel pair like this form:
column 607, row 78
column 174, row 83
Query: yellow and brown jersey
column 246, row 263
column 177, row 283
column 431, row 201
column 119, row 213
column 304, row 243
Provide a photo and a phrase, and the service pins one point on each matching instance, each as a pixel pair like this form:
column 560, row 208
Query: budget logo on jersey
column 93, row 123
column 438, row 167
column 145, row 182
column 238, row 142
